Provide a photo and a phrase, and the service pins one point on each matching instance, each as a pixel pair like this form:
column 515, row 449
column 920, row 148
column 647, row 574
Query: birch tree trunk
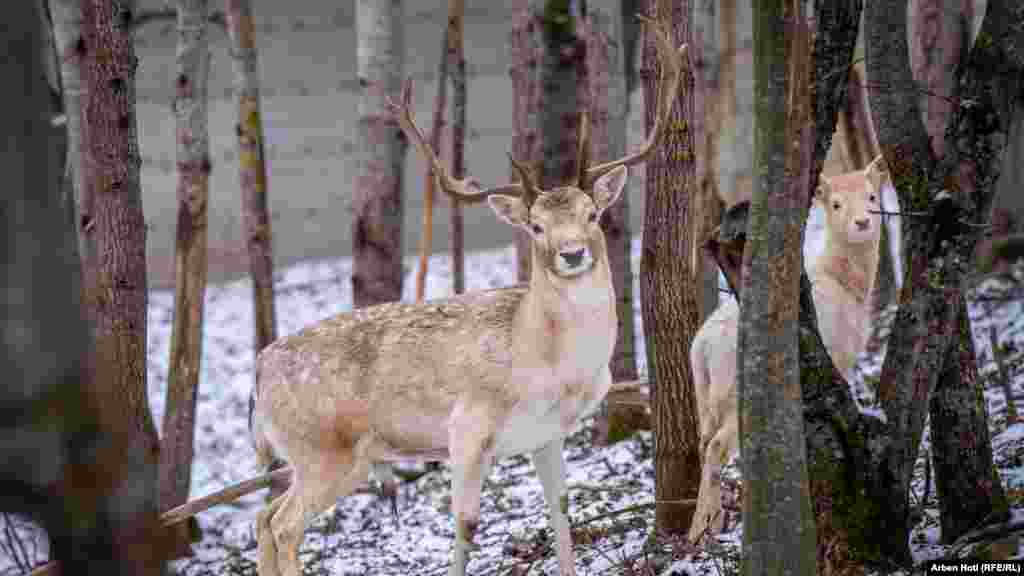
column 377, row 199
column 778, row 525
column 67, row 30
column 193, row 150
column 114, row 231
column 667, row 285
column 252, row 175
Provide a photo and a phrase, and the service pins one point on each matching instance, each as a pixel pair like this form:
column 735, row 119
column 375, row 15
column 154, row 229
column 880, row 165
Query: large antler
column 466, row 190
column 672, row 63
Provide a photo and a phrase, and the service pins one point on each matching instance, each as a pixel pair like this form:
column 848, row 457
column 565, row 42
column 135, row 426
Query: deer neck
column 557, row 313
column 853, row 266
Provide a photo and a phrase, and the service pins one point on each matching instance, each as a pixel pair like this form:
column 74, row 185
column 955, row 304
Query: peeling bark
column 377, row 199
column 667, row 285
column 193, row 150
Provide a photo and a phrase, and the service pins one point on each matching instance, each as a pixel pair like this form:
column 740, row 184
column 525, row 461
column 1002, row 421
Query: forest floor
column 611, row 489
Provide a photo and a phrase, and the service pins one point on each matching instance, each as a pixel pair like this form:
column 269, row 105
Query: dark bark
column 64, row 453
column 114, row 270
column 377, row 203
column 457, row 71
column 939, row 42
column 961, row 447
column 608, row 140
column 190, row 255
column 667, row 285
column 525, row 50
column 778, row 527
column 563, row 80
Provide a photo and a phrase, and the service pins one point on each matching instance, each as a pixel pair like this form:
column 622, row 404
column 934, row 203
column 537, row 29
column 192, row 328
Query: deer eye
column 873, row 199
column 537, row 229
column 836, row 206
column 592, row 218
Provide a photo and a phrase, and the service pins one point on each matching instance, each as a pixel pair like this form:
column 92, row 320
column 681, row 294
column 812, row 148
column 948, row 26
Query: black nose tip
column 573, row 258
column 863, row 224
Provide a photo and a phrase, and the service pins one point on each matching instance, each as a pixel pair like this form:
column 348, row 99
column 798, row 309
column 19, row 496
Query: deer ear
column 608, row 187
column 509, row 208
column 823, row 190
column 877, row 171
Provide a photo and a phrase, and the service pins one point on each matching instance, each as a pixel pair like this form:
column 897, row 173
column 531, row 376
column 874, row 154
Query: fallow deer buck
column 470, row 378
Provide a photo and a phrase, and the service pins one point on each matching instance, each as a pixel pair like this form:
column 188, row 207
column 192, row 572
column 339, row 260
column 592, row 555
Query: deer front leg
column 471, row 447
column 550, row 467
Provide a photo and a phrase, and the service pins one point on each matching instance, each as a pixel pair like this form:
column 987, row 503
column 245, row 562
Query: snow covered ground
column 611, row 489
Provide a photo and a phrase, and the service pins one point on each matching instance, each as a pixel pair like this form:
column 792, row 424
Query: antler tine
column 527, row 182
column 583, row 150
column 465, row 190
column 672, row 64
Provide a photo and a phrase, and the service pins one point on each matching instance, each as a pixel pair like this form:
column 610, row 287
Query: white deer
column 470, row 378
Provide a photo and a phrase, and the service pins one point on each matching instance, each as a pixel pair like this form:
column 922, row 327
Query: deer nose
column 863, row 224
column 573, row 258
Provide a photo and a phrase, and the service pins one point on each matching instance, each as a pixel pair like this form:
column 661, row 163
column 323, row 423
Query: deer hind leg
column 709, row 516
column 315, row 487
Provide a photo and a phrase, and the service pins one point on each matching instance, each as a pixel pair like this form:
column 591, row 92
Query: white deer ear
column 877, row 171
column 823, row 190
column 608, row 187
column 509, row 208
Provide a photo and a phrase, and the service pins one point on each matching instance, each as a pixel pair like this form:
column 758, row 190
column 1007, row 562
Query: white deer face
column 851, row 203
column 564, row 223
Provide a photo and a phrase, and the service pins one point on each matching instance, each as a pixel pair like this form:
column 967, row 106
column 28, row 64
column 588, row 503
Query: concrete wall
column 307, row 63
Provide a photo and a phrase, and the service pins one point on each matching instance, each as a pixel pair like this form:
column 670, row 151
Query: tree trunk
column 778, row 526
column 377, row 199
column 457, row 70
column 667, row 286
column 525, row 50
column 252, row 176
column 193, row 148
column 115, row 242
column 429, row 181
column 565, row 89
column 965, row 483
column 59, row 427
column 608, row 140
column 939, row 43
column 714, row 58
